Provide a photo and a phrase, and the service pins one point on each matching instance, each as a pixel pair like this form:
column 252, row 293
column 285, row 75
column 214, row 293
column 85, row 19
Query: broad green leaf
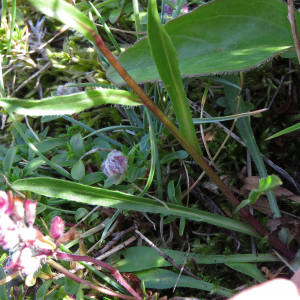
column 3, row 295
column 80, row 213
column 71, row 287
column 96, row 196
column 49, row 144
column 67, row 14
column 265, row 184
column 32, row 166
column 43, row 289
column 77, row 145
column 166, row 61
column 248, row 269
column 115, row 14
column 163, row 279
column 9, row 158
column 285, row 131
column 181, row 154
column 69, row 104
column 78, row 170
column 142, row 258
column 222, row 36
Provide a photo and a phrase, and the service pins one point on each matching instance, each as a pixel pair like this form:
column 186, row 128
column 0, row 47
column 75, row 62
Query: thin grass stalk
column 12, row 26
column 136, row 12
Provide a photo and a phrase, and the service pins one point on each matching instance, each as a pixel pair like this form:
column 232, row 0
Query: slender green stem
column 136, row 16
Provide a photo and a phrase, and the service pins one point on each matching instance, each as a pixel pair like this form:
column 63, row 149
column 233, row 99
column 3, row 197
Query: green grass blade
column 226, row 118
column 96, row 196
column 285, row 131
column 104, row 137
column 245, row 130
column 153, row 156
column 118, row 127
column 69, row 104
column 106, row 28
column 13, row 19
column 166, row 60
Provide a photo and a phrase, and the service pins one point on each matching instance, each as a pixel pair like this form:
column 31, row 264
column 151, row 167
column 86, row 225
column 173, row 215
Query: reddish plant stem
column 192, row 151
column 115, row 273
column 75, row 278
column 291, row 17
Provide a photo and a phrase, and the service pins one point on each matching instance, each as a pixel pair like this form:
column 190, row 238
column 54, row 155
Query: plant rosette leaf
column 69, row 104
column 263, row 31
column 265, row 185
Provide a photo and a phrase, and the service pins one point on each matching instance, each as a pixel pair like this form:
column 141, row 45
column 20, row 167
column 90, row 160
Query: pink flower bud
column 115, row 166
column 57, row 227
column 6, row 202
column 30, row 210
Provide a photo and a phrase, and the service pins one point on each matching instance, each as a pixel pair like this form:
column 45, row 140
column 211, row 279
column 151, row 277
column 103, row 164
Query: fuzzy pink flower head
column 6, row 203
column 115, row 166
column 57, row 227
column 169, row 9
column 30, row 211
column 18, row 211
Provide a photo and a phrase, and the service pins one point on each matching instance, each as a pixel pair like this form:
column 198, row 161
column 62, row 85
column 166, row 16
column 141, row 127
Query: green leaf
column 181, row 226
column 248, row 269
column 96, row 196
column 49, row 144
column 115, row 14
column 71, row 287
column 181, row 154
column 77, row 145
column 92, row 178
column 67, row 14
column 285, row 131
column 166, row 61
column 80, row 213
column 78, row 170
column 43, row 289
column 3, row 295
column 69, row 104
column 9, row 158
column 222, row 36
column 171, row 192
column 32, row 166
column 142, row 258
column 163, row 279
column 265, row 184
column 63, row 161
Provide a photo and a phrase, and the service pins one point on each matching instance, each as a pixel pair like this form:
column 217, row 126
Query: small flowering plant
column 31, row 248
column 115, row 166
